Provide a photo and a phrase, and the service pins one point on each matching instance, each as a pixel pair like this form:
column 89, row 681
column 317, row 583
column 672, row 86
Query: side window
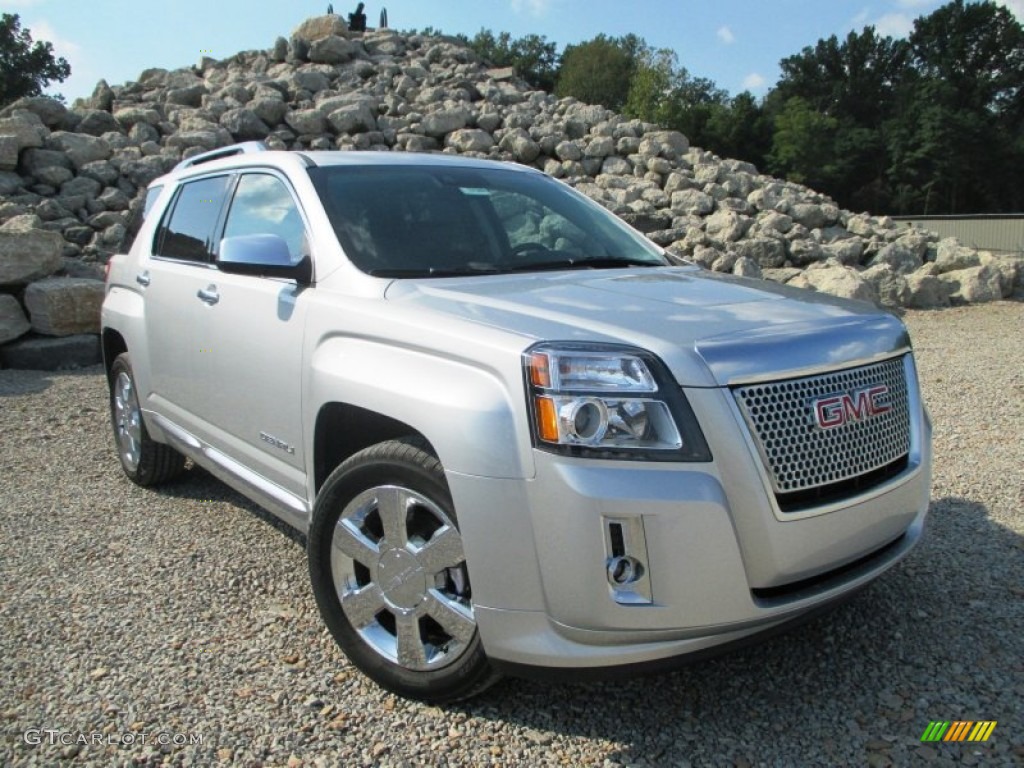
column 187, row 231
column 263, row 206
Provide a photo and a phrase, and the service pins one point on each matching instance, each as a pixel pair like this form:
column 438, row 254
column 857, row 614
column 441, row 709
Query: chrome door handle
column 143, row 279
column 209, row 295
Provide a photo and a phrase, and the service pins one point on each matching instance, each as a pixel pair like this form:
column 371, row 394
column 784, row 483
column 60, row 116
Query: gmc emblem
column 836, row 410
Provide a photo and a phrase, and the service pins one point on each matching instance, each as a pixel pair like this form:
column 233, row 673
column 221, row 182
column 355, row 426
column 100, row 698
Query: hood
column 710, row 329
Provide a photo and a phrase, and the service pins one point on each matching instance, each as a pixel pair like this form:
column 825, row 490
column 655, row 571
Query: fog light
column 624, row 570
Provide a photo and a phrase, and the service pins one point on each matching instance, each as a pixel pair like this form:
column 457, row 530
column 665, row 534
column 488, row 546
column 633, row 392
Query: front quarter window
column 263, row 205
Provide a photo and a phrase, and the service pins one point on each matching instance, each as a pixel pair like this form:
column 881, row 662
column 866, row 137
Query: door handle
column 208, row 295
column 143, row 279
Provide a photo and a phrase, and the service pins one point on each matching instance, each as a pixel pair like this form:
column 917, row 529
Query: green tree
column 740, row 128
column 599, row 71
column 661, row 91
column 803, row 144
column 955, row 143
column 535, row 59
column 853, row 85
column 26, row 68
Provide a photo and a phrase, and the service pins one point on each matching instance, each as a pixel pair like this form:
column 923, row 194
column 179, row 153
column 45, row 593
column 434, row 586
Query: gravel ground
column 137, row 617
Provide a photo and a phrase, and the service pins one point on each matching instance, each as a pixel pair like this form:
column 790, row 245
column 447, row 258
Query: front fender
column 474, row 417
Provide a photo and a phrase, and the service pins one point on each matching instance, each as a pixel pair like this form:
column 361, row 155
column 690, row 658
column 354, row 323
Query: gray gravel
column 135, row 617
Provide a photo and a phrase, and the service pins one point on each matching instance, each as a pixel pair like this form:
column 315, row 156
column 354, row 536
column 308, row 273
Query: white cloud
column 1016, row 7
column 754, row 82
column 41, row 29
column 82, row 76
column 725, row 35
column 894, row 25
column 533, row 7
column 914, row 3
column 861, row 19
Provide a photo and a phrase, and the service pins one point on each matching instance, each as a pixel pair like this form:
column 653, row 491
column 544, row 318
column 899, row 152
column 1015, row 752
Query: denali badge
column 836, row 410
column 276, row 443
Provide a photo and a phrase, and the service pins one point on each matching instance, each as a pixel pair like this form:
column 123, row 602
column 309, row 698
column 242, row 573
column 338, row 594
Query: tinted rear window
column 188, row 229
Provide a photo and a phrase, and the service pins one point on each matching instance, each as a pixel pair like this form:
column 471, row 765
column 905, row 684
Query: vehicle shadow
column 197, row 484
column 15, row 382
column 936, row 638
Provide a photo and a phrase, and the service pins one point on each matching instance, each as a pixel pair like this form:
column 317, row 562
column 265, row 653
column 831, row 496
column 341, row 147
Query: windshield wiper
column 592, row 262
column 431, row 272
column 583, row 262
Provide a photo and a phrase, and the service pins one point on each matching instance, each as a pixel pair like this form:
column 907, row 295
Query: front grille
column 800, row 455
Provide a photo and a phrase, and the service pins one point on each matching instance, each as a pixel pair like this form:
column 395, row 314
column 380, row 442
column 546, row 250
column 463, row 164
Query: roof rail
column 216, row 154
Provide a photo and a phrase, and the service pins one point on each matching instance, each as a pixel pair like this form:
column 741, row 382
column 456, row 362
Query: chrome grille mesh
column 798, row 454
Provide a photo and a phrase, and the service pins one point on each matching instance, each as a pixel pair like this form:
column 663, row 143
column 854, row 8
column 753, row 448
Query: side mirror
column 264, row 256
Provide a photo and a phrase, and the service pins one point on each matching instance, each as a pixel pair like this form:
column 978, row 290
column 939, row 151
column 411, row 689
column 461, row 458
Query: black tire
column 145, row 461
column 443, row 660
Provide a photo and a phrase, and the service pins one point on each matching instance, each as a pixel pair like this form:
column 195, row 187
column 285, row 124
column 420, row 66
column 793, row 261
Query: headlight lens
column 607, row 401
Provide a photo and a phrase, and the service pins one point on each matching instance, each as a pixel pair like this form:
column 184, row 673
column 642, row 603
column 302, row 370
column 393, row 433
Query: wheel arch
column 342, row 430
column 113, row 345
column 465, row 411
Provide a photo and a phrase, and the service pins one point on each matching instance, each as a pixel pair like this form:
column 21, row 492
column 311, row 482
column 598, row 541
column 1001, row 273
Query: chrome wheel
column 127, row 421
column 400, row 575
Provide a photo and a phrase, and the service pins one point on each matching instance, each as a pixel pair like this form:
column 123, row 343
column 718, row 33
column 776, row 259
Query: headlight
column 614, row 402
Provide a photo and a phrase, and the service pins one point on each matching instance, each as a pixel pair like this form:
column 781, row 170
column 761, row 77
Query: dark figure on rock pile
column 357, row 20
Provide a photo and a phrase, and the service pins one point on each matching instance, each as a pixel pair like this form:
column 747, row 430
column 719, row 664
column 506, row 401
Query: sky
column 736, row 43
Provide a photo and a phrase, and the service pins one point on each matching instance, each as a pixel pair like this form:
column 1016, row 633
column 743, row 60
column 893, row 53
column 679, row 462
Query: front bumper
column 721, row 566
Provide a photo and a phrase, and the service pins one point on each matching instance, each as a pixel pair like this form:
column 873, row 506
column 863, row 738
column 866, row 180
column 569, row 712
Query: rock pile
column 71, row 178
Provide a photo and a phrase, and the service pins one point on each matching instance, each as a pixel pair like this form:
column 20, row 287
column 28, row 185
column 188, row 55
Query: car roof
column 253, row 153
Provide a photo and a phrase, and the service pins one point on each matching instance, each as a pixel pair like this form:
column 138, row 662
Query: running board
column 282, row 504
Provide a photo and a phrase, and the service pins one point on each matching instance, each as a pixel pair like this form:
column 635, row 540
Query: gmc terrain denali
column 515, row 435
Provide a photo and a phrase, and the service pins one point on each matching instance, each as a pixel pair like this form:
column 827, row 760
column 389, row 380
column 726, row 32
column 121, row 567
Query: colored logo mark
column 959, row 730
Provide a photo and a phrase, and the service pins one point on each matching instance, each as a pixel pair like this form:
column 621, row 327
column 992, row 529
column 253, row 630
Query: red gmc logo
column 836, row 410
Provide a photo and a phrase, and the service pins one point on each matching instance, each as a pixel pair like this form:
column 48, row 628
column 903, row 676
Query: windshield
column 433, row 221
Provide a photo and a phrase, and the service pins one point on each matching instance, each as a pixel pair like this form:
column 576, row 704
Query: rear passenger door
column 180, row 266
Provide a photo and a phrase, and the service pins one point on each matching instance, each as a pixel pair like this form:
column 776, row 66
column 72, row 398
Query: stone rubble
column 71, row 178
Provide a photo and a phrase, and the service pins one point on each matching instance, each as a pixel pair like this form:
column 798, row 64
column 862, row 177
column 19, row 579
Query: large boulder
column 354, row 118
column 440, row 123
column 974, row 284
column 926, row 291
column 12, row 320
column 318, row 27
column 470, row 140
column 28, row 254
column 26, row 127
column 898, row 257
column 49, row 111
column 52, row 354
column 952, row 257
column 9, row 149
column 890, row 285
column 333, row 49
column 837, row 281
column 65, row 306
column 80, row 148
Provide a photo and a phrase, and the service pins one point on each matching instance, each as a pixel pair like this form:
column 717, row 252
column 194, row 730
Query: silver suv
column 517, row 438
